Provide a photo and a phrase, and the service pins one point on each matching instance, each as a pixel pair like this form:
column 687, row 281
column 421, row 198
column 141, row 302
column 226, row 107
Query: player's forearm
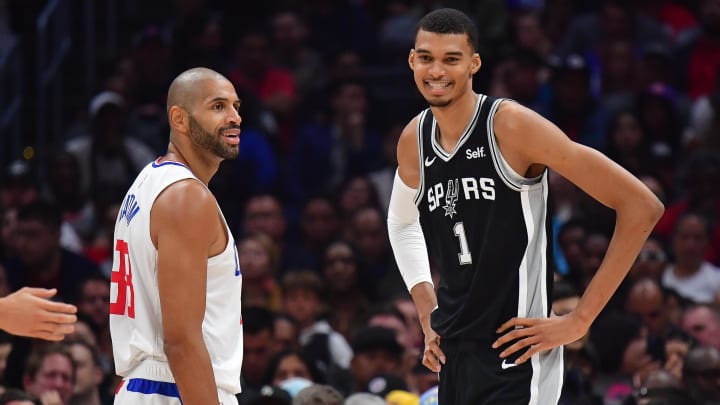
column 191, row 367
column 423, row 294
column 632, row 227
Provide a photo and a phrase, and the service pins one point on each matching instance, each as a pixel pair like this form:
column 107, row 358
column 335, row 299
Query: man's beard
column 439, row 103
column 215, row 143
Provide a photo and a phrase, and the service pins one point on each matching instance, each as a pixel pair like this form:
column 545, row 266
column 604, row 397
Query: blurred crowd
column 326, row 91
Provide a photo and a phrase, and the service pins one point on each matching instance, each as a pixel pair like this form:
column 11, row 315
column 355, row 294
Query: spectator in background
column 573, row 108
column 41, row 261
column 650, row 262
column 88, row 374
column 347, row 287
column 285, row 332
column 368, row 231
column 521, row 76
column 702, row 374
column 621, row 344
column 579, row 358
column 93, row 301
column 18, row 185
column 327, row 152
column 64, row 190
column 702, row 322
column 704, row 122
column 666, row 342
column 275, row 87
column 628, row 144
column 105, row 153
column 318, row 394
column 259, row 261
column 355, row 194
column 618, row 67
column 49, row 374
column 265, row 213
column 613, row 20
column 291, row 51
column 14, row 396
column 658, row 110
column 258, row 348
column 304, row 300
column 319, row 225
column 377, row 352
column 689, row 274
column 702, row 55
column 700, row 175
column 291, row 363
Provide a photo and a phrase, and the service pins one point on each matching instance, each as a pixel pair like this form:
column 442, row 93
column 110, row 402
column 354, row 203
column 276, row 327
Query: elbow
column 653, row 209
column 176, row 343
column 658, row 209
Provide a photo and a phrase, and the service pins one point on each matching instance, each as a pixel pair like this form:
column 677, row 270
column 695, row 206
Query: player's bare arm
column 529, row 142
column 407, row 155
column 185, row 229
column 423, row 293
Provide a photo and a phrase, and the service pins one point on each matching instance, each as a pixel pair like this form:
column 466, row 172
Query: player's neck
column 203, row 167
column 452, row 119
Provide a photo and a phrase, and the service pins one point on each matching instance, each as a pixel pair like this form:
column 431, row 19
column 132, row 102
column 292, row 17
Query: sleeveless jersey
column 486, row 227
column 135, row 317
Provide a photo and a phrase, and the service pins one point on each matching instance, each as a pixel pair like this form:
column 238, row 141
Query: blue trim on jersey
column 156, row 164
column 144, row 386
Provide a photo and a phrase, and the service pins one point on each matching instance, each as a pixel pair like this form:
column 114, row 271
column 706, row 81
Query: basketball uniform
column 487, row 230
column 135, row 317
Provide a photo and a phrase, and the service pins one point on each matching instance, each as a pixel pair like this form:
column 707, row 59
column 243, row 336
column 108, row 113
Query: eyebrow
column 224, row 99
column 451, row 53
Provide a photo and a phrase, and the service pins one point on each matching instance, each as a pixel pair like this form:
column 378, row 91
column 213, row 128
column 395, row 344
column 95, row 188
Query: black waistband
column 465, row 345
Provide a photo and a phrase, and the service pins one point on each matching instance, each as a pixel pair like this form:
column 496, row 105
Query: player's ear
column 476, row 63
column 177, row 118
column 411, row 59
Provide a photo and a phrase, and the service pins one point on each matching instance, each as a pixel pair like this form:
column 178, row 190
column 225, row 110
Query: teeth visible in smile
column 438, row 85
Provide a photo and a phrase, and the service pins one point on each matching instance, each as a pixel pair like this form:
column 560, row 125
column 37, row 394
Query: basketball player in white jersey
column 175, row 293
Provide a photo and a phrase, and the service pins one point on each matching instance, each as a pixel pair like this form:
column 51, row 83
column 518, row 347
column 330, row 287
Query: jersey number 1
column 464, row 256
column 123, row 278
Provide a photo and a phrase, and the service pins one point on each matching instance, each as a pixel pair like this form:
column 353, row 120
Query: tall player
column 175, row 307
column 472, row 187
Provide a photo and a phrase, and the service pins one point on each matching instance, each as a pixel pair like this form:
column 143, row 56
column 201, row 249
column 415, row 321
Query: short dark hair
column 44, row 211
column 449, row 21
column 15, row 394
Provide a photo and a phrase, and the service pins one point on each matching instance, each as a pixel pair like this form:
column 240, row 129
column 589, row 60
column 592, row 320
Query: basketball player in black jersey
column 471, row 190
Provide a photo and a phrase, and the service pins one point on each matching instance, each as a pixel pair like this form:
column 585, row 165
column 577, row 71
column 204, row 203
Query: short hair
column 449, row 21
column 257, row 319
column 14, row 394
column 319, row 394
column 37, row 356
column 94, row 353
column 46, row 212
column 303, row 280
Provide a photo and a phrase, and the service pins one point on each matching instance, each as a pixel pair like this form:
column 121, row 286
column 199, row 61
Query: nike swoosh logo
column 429, row 161
column 505, row 365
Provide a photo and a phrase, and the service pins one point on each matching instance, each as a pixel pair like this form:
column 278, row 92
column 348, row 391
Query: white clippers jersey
column 135, row 317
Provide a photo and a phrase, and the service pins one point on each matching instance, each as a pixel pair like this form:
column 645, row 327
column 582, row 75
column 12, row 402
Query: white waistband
column 160, row 371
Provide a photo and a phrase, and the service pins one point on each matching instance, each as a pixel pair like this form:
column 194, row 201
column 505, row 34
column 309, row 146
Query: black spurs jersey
column 487, row 229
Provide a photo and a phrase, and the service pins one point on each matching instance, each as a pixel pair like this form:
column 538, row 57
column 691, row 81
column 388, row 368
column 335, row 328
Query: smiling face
column 443, row 66
column 214, row 123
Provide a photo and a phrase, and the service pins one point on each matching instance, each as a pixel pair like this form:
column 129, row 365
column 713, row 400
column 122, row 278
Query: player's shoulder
column 185, row 197
column 408, row 136
column 512, row 116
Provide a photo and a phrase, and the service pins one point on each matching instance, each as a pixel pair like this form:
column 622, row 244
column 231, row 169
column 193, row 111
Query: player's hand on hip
column 538, row 334
column 433, row 356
